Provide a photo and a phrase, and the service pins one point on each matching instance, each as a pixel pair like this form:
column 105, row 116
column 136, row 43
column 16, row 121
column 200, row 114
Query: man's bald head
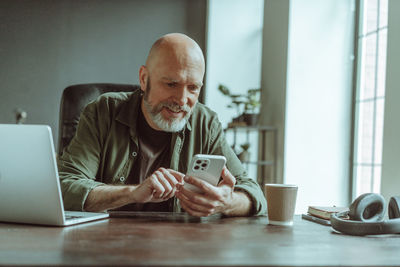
column 175, row 46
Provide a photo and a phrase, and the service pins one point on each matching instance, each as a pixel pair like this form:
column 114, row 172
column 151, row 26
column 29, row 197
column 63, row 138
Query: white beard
column 167, row 125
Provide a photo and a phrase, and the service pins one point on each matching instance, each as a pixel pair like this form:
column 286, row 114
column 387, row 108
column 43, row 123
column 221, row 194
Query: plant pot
column 251, row 119
column 238, row 118
column 244, row 156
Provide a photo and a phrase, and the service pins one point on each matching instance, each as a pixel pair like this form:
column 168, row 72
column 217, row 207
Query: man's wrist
column 240, row 205
column 131, row 193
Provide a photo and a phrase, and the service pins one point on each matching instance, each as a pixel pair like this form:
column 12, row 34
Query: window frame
column 359, row 38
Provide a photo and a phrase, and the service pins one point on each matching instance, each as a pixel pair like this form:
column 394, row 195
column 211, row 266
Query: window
column 370, row 96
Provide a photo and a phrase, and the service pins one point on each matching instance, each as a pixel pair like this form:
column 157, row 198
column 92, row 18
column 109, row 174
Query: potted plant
column 250, row 113
column 246, row 105
column 244, row 156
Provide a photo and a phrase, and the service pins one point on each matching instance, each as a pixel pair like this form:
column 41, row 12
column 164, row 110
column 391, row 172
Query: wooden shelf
column 262, row 161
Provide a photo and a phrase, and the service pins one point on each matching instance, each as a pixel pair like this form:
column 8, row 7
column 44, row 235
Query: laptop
column 29, row 184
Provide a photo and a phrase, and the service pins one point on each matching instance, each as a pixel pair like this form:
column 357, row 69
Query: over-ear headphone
column 365, row 216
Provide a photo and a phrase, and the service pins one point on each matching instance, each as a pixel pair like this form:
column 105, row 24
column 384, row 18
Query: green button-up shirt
column 105, row 148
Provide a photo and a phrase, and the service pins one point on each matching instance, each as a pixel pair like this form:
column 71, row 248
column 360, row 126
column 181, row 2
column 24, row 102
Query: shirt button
column 122, row 178
column 134, row 154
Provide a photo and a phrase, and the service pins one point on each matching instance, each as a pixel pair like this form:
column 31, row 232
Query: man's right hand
column 158, row 187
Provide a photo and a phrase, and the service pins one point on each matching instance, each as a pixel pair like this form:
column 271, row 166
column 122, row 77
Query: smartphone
column 207, row 168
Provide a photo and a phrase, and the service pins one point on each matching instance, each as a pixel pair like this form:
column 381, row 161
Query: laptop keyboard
column 71, row 217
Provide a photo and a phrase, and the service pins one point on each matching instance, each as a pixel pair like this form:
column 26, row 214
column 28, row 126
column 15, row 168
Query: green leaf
column 224, row 90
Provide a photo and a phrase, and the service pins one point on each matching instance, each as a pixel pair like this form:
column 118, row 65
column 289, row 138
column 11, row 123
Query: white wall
column 317, row 117
column 234, row 59
column 390, row 182
column 233, row 51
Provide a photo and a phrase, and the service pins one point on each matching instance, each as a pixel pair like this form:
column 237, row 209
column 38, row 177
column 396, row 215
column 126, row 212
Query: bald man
column 131, row 150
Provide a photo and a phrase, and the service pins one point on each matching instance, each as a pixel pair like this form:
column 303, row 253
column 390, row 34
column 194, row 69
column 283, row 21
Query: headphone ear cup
column 367, row 207
column 394, row 207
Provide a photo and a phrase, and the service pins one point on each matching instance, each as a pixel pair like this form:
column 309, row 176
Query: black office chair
column 74, row 99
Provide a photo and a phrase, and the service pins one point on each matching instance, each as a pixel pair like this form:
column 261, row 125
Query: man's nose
column 181, row 96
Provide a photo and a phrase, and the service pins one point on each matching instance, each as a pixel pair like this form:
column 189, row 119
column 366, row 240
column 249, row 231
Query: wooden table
column 228, row 242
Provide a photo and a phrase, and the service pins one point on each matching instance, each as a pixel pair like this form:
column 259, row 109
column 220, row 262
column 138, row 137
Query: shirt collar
column 128, row 113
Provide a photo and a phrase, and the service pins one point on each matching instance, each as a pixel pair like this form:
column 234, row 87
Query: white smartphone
column 207, row 168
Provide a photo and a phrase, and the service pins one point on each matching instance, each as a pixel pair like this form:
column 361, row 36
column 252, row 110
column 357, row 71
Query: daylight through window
column 370, row 99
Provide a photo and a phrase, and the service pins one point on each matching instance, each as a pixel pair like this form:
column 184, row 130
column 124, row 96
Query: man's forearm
column 107, row 197
column 240, row 206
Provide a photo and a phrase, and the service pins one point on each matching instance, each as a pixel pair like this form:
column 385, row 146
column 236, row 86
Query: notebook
column 29, row 184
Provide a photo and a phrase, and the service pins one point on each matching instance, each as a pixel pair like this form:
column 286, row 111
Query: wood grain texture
column 227, row 242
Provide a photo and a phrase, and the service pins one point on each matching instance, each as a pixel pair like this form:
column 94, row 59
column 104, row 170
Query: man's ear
column 143, row 77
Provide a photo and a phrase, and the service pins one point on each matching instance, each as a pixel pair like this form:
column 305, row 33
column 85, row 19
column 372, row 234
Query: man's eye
column 193, row 88
column 171, row 84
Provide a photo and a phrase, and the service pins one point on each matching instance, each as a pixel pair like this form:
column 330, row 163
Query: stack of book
column 322, row 214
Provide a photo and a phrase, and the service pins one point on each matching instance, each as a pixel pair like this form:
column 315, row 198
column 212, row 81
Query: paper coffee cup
column 281, row 202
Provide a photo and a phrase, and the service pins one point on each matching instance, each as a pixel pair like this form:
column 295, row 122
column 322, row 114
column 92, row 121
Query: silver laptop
column 29, row 184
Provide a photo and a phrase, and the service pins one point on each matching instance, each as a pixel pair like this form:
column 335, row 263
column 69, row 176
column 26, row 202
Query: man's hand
column 158, row 187
column 214, row 199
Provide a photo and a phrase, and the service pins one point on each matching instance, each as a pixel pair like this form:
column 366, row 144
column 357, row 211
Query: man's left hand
column 213, row 199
